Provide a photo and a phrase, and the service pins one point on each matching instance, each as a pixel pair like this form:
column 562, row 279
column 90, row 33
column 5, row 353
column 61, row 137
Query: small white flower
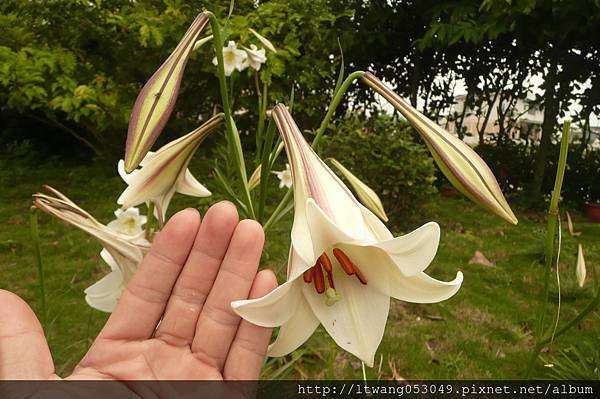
column 128, row 221
column 285, row 177
column 256, row 57
column 233, row 59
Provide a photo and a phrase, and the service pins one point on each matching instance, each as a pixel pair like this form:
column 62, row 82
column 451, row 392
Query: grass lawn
column 482, row 332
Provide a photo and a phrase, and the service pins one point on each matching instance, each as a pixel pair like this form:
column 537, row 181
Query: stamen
column 344, row 261
column 308, row 275
column 348, row 266
column 329, row 271
column 325, row 262
column 361, row 277
column 319, row 279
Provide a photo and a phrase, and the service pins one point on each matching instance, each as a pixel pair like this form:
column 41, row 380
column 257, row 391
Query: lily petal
column 357, row 321
column 104, row 294
column 156, row 101
column 295, row 331
column 413, row 252
column 273, row 309
column 422, row 288
column 189, row 185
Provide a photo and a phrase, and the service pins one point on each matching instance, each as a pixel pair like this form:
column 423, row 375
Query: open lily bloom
column 165, row 172
column 344, row 264
column 122, row 252
column 128, row 221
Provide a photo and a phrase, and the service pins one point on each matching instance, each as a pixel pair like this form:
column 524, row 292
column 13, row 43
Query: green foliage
column 576, row 363
column 77, row 66
column 512, row 163
column 383, row 152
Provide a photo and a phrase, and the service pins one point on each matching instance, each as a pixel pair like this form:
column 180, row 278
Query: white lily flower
column 165, row 172
column 128, row 221
column 233, row 59
column 123, row 252
column 256, row 57
column 344, row 264
column 284, row 176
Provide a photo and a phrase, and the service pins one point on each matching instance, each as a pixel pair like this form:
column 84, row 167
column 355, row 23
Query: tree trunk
column 548, row 126
column 414, row 80
column 461, row 119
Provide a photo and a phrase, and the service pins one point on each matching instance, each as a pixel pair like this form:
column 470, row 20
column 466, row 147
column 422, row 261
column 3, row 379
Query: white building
column 528, row 116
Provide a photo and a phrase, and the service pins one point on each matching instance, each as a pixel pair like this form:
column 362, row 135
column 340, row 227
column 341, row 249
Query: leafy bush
column 512, row 163
column 384, row 152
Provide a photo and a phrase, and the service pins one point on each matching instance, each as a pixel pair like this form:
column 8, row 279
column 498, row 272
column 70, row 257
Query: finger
column 217, row 323
column 247, row 353
column 24, row 352
column 198, row 275
column 143, row 301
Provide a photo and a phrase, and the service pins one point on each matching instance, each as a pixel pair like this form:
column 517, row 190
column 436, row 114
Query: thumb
column 24, row 352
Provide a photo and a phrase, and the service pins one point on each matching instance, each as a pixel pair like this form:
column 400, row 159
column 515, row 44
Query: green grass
column 482, row 332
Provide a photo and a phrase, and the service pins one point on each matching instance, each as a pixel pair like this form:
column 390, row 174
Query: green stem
column 590, row 307
column 35, row 238
column 232, row 132
column 550, row 236
column 265, row 168
column 335, row 101
column 280, row 208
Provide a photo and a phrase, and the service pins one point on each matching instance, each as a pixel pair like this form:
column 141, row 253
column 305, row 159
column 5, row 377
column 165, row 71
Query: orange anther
column 344, row 261
column 325, row 262
column 360, row 275
column 308, row 275
column 329, row 273
column 319, row 279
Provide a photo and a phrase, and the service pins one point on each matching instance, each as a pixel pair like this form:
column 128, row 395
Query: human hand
column 174, row 319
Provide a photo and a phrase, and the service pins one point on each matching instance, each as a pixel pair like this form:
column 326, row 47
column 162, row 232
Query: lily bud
column 254, row 179
column 459, row 163
column 265, row 42
column 156, row 101
column 202, row 42
column 580, row 270
column 366, row 194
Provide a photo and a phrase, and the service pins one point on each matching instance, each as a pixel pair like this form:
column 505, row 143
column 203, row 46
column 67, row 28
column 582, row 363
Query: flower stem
column 35, row 239
column 232, row 132
column 550, row 236
column 337, row 97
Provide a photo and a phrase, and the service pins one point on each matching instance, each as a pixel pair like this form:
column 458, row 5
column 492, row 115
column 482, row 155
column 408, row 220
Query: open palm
column 174, row 319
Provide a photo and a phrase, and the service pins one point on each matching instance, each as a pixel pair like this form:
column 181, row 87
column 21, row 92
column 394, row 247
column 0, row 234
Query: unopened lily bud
column 459, row 163
column 202, row 42
column 156, row 101
column 366, row 194
column 580, row 270
column 265, row 42
column 254, row 179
